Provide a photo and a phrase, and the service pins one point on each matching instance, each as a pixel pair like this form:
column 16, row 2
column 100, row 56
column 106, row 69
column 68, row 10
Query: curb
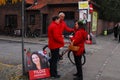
column 43, row 42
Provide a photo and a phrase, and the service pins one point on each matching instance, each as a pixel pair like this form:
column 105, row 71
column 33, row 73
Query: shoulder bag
column 72, row 47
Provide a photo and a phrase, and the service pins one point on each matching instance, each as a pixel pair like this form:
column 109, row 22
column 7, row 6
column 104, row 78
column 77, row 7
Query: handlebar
column 69, row 36
column 45, row 47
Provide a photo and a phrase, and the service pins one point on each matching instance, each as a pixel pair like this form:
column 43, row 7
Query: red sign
column 91, row 8
column 38, row 74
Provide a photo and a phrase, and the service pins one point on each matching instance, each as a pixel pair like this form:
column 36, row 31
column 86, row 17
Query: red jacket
column 63, row 26
column 55, row 32
column 79, row 40
column 55, row 39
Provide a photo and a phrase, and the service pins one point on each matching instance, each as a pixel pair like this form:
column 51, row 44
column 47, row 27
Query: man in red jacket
column 63, row 25
column 56, row 40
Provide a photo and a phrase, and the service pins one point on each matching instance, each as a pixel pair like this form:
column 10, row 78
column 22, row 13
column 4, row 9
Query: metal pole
column 89, row 27
column 23, row 24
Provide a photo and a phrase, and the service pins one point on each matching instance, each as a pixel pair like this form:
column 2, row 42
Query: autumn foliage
column 3, row 2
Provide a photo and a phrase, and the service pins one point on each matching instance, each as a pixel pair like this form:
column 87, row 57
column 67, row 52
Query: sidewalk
column 11, row 72
column 102, row 61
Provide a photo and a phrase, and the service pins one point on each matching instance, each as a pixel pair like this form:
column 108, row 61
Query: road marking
column 98, row 76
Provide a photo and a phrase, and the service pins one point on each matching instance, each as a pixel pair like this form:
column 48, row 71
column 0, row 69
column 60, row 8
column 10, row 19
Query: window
column 69, row 18
column 11, row 21
column 9, row 1
column 69, row 15
column 32, row 19
column 35, row 1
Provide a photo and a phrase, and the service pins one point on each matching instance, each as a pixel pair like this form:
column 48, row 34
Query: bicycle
column 62, row 53
column 31, row 32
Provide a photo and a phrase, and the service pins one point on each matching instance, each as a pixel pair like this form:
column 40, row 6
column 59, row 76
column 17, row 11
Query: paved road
column 103, row 62
column 11, row 52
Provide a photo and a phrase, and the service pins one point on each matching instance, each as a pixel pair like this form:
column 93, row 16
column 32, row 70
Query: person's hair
column 55, row 18
column 40, row 57
column 33, row 54
column 81, row 24
column 42, row 61
column 61, row 13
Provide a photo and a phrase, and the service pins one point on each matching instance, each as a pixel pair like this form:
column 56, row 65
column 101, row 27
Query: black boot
column 77, row 78
column 76, row 74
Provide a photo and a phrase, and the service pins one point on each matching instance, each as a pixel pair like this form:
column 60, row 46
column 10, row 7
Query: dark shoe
column 77, row 78
column 61, row 58
column 75, row 74
column 56, row 76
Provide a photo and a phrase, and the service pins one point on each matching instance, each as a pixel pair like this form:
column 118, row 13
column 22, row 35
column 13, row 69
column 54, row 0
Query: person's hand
column 70, row 36
column 63, row 36
column 73, row 30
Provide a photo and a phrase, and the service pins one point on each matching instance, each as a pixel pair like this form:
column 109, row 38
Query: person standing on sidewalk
column 63, row 25
column 115, row 30
column 119, row 32
column 79, row 40
column 55, row 41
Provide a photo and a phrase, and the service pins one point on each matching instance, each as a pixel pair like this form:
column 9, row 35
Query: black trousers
column 78, row 66
column 115, row 34
column 119, row 38
column 53, row 61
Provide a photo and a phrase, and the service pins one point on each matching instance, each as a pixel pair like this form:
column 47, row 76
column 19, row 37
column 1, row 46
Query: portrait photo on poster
column 83, row 14
column 38, row 61
column 39, row 67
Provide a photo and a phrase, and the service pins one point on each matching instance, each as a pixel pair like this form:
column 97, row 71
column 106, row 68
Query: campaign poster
column 83, row 14
column 38, row 66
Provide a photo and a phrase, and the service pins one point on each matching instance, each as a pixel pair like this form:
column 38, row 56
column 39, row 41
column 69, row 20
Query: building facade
column 38, row 15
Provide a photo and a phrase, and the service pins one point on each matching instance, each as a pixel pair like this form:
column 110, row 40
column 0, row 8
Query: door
column 10, row 23
column 69, row 19
column 44, row 23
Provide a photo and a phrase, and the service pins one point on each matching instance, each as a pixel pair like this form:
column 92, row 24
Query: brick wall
column 50, row 11
column 10, row 10
column 104, row 25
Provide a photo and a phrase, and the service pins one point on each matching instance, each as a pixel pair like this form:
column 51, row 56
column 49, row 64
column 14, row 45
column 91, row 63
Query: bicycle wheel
column 36, row 33
column 48, row 53
column 83, row 59
column 28, row 34
column 71, row 58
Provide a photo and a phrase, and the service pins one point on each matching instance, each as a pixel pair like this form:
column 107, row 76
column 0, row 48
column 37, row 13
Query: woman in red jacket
column 55, row 41
column 79, row 40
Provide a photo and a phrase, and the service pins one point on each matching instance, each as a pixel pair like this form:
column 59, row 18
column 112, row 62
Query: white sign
column 89, row 18
column 83, row 14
